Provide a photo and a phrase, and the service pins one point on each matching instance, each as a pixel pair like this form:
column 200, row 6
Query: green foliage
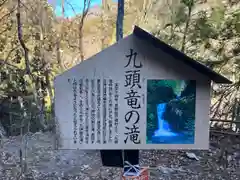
column 180, row 16
column 188, row 3
column 217, row 16
column 38, row 36
column 210, row 34
column 182, row 111
column 17, row 120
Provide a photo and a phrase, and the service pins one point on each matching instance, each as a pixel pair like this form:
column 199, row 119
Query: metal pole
column 119, row 34
column 120, row 16
column 132, row 156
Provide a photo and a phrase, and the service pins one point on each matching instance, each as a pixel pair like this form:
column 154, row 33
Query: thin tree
column 86, row 6
column 189, row 4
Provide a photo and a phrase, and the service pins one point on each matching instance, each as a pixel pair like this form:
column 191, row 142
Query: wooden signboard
column 137, row 94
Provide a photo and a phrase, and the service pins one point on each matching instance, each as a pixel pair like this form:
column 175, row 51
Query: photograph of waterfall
column 171, row 111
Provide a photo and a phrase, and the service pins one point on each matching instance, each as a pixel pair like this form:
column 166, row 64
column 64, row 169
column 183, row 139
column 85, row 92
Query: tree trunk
column 85, row 10
column 2, row 131
column 189, row 6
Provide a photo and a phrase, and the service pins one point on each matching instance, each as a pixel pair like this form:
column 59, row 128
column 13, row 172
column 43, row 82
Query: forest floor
column 221, row 161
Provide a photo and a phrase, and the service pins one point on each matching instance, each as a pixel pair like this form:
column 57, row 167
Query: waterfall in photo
column 163, row 126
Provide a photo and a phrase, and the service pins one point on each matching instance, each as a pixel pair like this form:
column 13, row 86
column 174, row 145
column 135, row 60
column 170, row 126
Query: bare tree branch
column 20, row 38
column 3, row 2
column 59, row 59
column 63, row 9
column 72, row 8
column 6, row 59
column 8, row 14
column 85, row 10
column 3, row 31
column 224, row 102
column 59, row 37
column 189, row 6
column 2, row 62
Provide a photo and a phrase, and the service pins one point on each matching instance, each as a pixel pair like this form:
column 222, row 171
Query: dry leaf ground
column 221, row 161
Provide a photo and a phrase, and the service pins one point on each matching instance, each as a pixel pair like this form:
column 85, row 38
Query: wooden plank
column 224, row 132
column 221, row 120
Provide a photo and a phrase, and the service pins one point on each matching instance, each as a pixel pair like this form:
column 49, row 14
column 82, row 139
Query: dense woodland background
column 35, row 46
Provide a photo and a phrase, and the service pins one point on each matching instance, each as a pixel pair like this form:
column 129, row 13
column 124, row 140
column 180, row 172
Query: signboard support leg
column 112, row 158
column 131, row 157
column 118, row 158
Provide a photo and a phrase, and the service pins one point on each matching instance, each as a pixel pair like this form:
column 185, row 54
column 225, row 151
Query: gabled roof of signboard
column 217, row 78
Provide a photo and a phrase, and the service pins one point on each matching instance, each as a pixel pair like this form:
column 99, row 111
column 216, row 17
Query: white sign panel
column 126, row 98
